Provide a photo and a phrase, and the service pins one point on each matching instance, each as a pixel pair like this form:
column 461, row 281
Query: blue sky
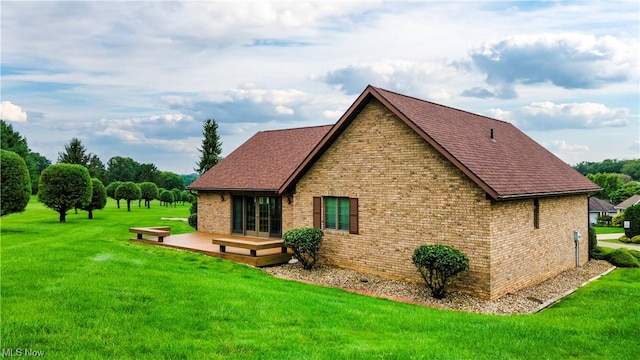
column 138, row 79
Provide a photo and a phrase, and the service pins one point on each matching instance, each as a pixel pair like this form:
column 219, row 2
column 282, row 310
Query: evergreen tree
column 13, row 141
column 74, row 153
column 211, row 147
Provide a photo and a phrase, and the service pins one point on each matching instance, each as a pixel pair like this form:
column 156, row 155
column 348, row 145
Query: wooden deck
column 202, row 242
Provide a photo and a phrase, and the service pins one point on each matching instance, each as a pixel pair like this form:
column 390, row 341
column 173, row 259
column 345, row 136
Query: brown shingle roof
column 264, row 162
column 634, row 199
column 509, row 165
column 600, row 205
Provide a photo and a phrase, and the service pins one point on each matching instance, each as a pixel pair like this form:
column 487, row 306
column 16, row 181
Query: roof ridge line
column 295, row 128
column 441, row 105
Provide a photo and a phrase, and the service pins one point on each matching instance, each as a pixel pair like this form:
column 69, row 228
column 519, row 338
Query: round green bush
column 635, row 253
column 636, row 239
column 128, row 191
column 438, row 264
column 305, row 244
column 63, row 186
column 167, row 197
column 16, row 183
column 98, row 197
column 623, row 258
column 624, row 239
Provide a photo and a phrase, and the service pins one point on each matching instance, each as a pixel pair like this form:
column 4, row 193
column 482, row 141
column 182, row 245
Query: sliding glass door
column 259, row 216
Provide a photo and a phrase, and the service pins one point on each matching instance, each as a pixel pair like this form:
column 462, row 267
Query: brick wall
column 522, row 255
column 410, row 195
column 214, row 215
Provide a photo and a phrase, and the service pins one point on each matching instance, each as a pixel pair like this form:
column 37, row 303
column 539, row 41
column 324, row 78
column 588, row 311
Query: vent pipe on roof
column 491, row 134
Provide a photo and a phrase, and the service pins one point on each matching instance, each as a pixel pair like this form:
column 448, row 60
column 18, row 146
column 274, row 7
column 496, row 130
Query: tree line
column 630, row 167
column 619, row 179
column 78, row 178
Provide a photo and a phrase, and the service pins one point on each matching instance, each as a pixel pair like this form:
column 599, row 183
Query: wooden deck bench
column 159, row 231
column 251, row 244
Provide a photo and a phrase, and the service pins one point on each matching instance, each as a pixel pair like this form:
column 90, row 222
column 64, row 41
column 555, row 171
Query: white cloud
column 12, row 113
column 283, row 110
column 393, row 74
column 253, row 104
column 563, row 146
column 567, row 60
column 547, row 115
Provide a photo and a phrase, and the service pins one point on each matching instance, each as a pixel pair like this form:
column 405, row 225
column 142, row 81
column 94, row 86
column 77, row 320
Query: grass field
column 608, row 230
column 82, row 290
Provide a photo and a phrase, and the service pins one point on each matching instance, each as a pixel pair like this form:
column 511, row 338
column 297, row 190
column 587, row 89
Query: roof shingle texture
column 264, row 162
column 600, row 205
column 512, row 164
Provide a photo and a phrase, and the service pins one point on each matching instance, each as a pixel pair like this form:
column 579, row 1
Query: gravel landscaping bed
column 528, row 300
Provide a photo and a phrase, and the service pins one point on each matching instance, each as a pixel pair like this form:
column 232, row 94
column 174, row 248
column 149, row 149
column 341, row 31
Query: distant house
column 633, row 200
column 396, row 172
column 599, row 207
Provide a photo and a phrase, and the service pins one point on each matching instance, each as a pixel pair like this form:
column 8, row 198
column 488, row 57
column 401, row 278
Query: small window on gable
column 536, row 214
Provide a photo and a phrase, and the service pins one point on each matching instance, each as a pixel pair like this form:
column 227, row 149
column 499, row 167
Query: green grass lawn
column 616, row 241
column 608, row 230
column 82, row 290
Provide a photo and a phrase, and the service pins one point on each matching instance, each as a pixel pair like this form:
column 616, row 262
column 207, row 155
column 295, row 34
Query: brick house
column 396, row 172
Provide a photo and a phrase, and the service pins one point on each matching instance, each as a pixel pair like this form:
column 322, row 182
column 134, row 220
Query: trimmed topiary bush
column 167, row 197
column 305, row 244
column 636, row 254
column 16, row 183
column 636, row 239
column 623, row 258
column 632, row 214
column 128, row 191
column 148, row 192
column 438, row 265
column 98, row 197
column 624, row 239
column 63, row 186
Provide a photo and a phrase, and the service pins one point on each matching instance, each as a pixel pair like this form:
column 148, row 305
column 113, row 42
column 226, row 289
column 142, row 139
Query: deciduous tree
column 167, row 197
column 62, row 186
column 128, row 191
column 149, row 191
column 169, row 180
column 122, row 169
column 98, row 197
